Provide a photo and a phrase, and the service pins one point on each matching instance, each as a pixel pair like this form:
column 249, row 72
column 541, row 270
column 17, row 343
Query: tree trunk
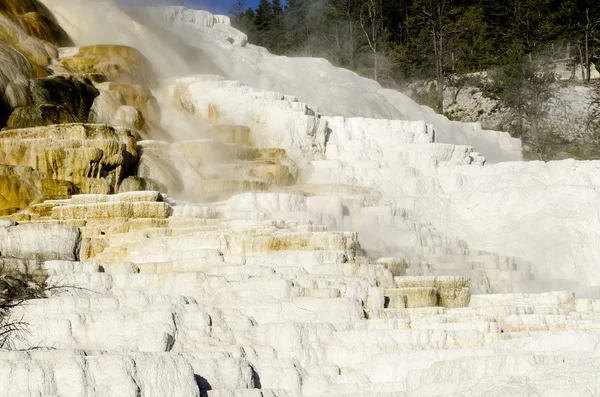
column 582, row 63
column 587, row 56
column 440, row 75
column 375, row 60
column 588, row 65
column 375, row 66
column 535, row 134
column 352, row 40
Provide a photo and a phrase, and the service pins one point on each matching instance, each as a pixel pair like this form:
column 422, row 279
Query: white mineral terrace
column 331, row 238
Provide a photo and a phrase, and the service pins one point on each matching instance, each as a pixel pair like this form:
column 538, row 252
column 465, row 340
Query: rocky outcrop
column 40, row 115
column 215, row 168
column 19, row 187
column 14, row 81
column 127, row 105
column 94, row 158
column 36, row 20
column 22, row 186
column 56, row 100
column 29, row 37
column 137, row 96
column 120, row 64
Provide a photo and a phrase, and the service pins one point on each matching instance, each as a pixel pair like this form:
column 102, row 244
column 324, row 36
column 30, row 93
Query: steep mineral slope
column 315, row 255
column 348, row 94
column 493, row 208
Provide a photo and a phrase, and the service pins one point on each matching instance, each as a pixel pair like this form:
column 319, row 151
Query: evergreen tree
column 249, row 15
column 298, row 25
column 264, row 15
column 277, row 8
column 527, row 90
column 276, row 30
column 244, row 21
column 439, row 40
column 292, row 5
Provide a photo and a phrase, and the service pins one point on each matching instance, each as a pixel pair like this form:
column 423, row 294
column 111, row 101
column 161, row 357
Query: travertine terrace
column 257, row 225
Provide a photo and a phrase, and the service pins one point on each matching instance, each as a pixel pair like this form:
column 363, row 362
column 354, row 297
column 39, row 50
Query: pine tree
column 276, row 29
column 527, row 90
column 292, row 5
column 243, row 20
column 277, row 8
column 264, row 15
column 298, row 25
column 250, row 14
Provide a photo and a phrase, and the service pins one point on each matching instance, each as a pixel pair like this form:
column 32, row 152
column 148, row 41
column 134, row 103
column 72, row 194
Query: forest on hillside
column 504, row 48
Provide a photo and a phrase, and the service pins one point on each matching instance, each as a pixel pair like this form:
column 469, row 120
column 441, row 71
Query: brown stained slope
column 29, row 36
column 15, row 73
column 36, row 20
column 93, row 158
column 118, row 63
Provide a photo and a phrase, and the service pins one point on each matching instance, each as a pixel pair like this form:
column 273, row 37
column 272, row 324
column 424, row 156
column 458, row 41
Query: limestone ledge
column 94, row 157
column 225, row 293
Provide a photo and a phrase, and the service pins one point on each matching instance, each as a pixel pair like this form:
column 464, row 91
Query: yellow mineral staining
column 101, row 216
column 109, row 210
column 54, row 189
column 413, row 296
column 213, row 114
column 33, row 116
column 29, row 36
column 334, row 190
column 451, row 291
column 261, row 245
column 35, row 20
column 273, row 172
column 227, row 169
column 95, row 158
column 40, row 71
column 127, row 105
column 36, row 50
column 236, row 134
column 19, row 186
column 28, row 27
column 118, row 63
column 138, row 97
column 287, row 244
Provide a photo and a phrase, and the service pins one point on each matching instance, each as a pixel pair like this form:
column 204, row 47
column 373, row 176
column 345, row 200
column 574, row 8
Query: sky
column 217, row 6
column 214, row 6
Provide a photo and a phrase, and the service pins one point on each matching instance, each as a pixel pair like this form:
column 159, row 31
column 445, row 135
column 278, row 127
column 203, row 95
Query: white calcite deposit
column 222, row 299
column 320, row 236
